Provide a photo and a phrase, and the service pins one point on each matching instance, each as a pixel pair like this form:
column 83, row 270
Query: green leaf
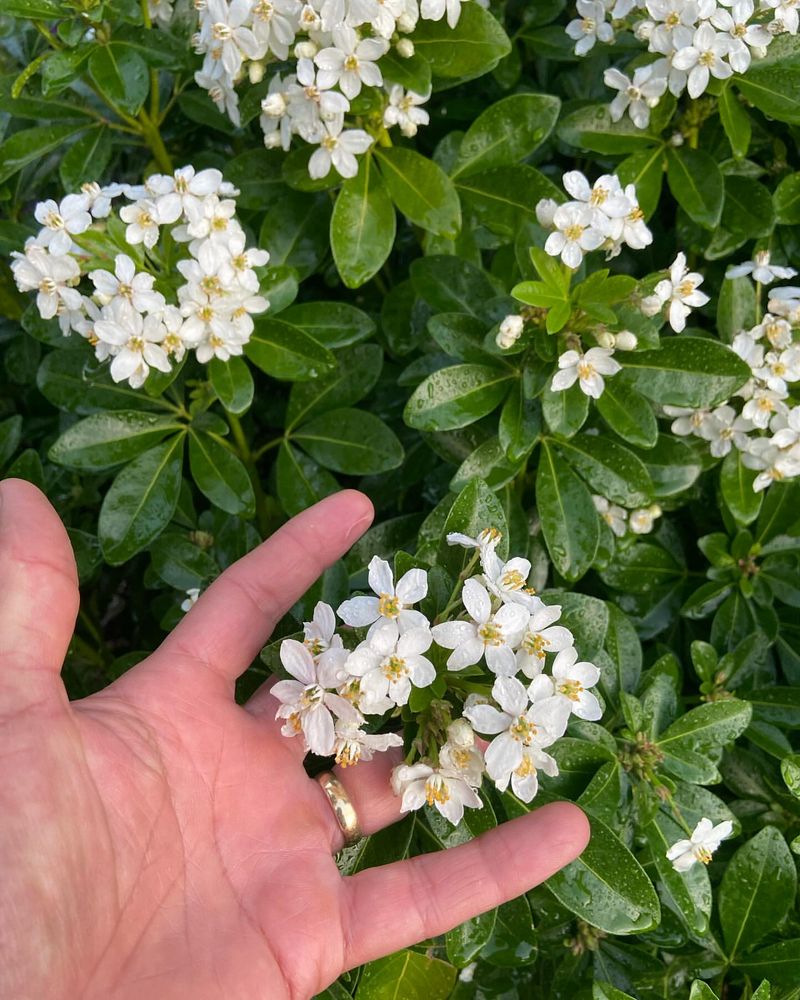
column 86, row 159
column 473, row 47
column 502, row 197
column 300, row 481
column 757, row 890
column 10, row 436
column 285, row 351
column 35, row 10
column 294, row 230
column 779, row 513
column 707, row 727
column 687, row 371
column 773, row 88
column 31, row 144
column 591, row 127
column 358, row 371
column 332, row 324
column 735, row 121
column 672, row 464
column 696, row 183
column 520, row 424
column 421, row 190
column 780, row 962
column 104, row 440
column 747, row 211
column 645, row 170
column 609, row 469
column 790, row 769
column 605, row 991
column 736, row 483
column 220, row 475
column 457, row 396
column 786, row 199
column 736, row 307
column 506, row 132
column 232, row 382
column 569, row 520
column 628, row 413
column 121, row 76
column 141, row 501
column 566, row 410
column 702, row 991
column 641, row 568
column 180, row 563
column 407, row 975
column 607, row 887
column 689, row 892
column 513, row 940
column 413, row 73
column 463, row 943
column 72, row 380
column 351, row 441
column 778, row 705
column 475, row 508
column 363, row 226
column 450, row 284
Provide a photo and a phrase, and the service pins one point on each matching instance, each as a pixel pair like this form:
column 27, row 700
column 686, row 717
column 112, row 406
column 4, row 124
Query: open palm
column 159, row 840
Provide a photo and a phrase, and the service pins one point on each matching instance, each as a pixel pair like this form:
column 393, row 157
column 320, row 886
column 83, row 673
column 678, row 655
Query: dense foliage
column 630, row 435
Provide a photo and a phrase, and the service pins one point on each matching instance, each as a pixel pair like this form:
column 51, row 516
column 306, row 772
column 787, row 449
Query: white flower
column 339, row 149
column 137, row 289
column 389, row 663
column 518, row 726
column 143, row 223
column 632, row 230
column 641, row 521
column 605, row 197
column 136, row 340
column 353, row 744
column 275, row 24
column 494, row 635
column 182, row 192
column 305, row 704
column 221, row 92
column 191, row 598
column 404, row 110
column 173, row 343
column 541, row 637
column 786, row 429
column 508, row 580
column 780, row 369
column 350, row 62
column 546, row 212
column 772, row 463
column 448, row 791
column 435, row 10
column 572, row 680
column 674, row 24
column 743, row 36
column 575, row 234
column 761, row 270
column 787, row 17
column 587, row 369
column 615, row 517
column 636, row 96
column 724, row 428
column 52, row 277
column 160, row 10
column 761, row 406
column 680, row 291
column 61, row 222
column 98, row 199
column 747, row 347
column 510, row 331
column 590, row 26
column 381, row 15
column 319, row 635
column 392, row 603
column 462, row 757
column 488, row 538
column 625, row 340
column 775, row 329
column 225, row 36
column 704, row 58
column 705, row 839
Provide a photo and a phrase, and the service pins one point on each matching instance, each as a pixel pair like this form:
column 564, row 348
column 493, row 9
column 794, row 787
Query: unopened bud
column 305, row 50
column 274, row 105
column 255, row 71
column 405, row 48
column 651, row 305
column 510, row 331
column 605, row 339
column 676, row 139
column 626, row 341
column 545, row 210
column 272, row 140
column 643, row 30
column 406, row 23
column 460, row 733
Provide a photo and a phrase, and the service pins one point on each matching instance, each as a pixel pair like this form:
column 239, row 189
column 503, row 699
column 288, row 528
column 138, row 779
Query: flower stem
column 246, row 455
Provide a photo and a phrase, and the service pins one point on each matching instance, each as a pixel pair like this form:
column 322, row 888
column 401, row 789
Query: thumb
column 39, row 596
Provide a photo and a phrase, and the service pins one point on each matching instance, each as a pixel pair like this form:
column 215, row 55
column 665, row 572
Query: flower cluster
column 692, row 41
column 762, row 421
column 137, row 312
column 504, row 626
column 602, row 215
column 336, row 46
column 621, row 521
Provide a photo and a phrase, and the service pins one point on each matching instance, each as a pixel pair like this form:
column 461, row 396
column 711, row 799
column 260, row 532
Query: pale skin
column 159, row 840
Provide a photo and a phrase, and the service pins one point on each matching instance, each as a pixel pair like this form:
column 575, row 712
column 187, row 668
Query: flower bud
column 255, row 71
column 626, row 341
column 545, row 210
column 305, row 50
column 643, row 30
column 510, row 331
column 676, row 139
column 759, row 51
column 406, row 23
column 651, row 305
column 460, row 733
column 605, row 339
column 405, row 48
column 273, row 140
column 274, row 105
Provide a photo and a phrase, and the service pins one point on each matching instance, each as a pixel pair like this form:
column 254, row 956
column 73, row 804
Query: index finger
column 232, row 620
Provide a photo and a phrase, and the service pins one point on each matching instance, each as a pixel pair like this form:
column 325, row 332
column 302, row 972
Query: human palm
column 159, row 840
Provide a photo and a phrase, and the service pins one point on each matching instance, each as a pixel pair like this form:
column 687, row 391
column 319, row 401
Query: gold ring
column 343, row 808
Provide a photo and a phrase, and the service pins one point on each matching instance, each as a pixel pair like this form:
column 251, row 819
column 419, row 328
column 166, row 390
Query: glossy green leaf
column 513, row 941
column 232, row 382
column 407, row 975
column 72, row 380
column 421, row 190
column 358, row 371
column 332, row 324
column 790, row 769
column 609, row 469
column 141, row 500
column 607, row 887
column 687, row 371
column 645, row 170
column 121, row 76
column 565, row 411
column 363, row 226
column 757, row 891
column 708, row 726
column 300, row 481
column 506, row 132
column 736, row 483
column 220, row 475
column 520, row 424
column 86, row 159
column 104, row 440
column 628, row 413
column 450, row 284
column 779, row 705
column 642, row 568
column 457, row 396
column 463, row 943
column 672, row 464
column 569, row 519
column 736, row 307
column 591, row 127
column 294, row 231
column 748, row 210
column 702, row 991
column 180, row 563
column 413, row 73
column 779, row 962
column 696, row 184
column 736, row 122
column 476, row 44
column 786, row 199
column 501, row 197
column 285, row 351
column 774, row 89
column 351, row 441
column 10, row 436
column 31, row 144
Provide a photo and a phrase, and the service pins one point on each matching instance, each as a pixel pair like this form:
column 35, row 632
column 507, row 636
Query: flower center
column 206, row 313
column 172, row 343
column 349, row 753
column 436, row 790
column 585, row 370
column 572, row 689
column 636, row 215
column 126, row 291
column 523, row 730
column 707, row 58
column 685, row 288
column 263, row 10
column 702, row 854
column 312, row 695
column 330, row 142
column 526, row 768
column 765, row 403
column 211, row 285
column 221, row 31
column 491, row 633
column 54, row 221
column 315, row 646
column 512, row 579
column 574, row 232
column 135, row 344
column 673, row 19
column 739, row 30
column 588, row 25
column 461, row 758
column 535, row 644
column 216, row 341
column 351, row 64
column 634, row 93
column 394, row 669
column 47, row 285
column 599, row 196
column 389, row 605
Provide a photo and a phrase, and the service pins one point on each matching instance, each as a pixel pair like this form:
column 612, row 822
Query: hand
column 159, row 840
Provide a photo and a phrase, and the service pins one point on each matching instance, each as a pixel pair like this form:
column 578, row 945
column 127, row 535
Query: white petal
column 298, row 661
column 318, row 730
column 380, row 576
column 359, row 611
column 476, row 601
column 412, row 586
